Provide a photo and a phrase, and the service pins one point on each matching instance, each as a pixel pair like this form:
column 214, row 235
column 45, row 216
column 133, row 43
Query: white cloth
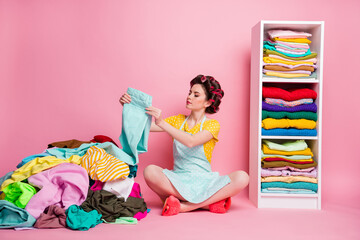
column 120, row 187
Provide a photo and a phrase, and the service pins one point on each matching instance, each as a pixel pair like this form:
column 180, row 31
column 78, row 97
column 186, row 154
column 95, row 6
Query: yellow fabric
column 286, row 75
column 295, row 40
column 276, row 60
column 289, row 179
column 270, row 123
column 103, row 166
column 293, row 160
column 211, row 125
column 38, row 165
column 267, row 150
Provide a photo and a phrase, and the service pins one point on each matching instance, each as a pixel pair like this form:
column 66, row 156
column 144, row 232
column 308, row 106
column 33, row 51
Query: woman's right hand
column 125, row 98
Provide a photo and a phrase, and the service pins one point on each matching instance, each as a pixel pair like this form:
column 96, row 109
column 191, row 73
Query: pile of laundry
column 80, row 184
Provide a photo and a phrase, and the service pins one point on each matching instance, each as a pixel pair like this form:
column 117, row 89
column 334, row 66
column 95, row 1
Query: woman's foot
column 220, row 206
column 171, row 206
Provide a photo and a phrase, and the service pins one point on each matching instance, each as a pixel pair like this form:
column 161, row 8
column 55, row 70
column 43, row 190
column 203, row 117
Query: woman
column 191, row 184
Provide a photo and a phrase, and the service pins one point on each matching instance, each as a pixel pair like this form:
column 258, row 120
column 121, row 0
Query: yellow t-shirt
column 211, row 125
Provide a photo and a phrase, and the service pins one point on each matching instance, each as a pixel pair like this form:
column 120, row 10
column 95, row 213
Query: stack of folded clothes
column 288, row 112
column 287, row 55
column 74, row 184
column 288, row 168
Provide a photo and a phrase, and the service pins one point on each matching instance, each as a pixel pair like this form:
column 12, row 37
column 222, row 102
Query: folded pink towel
column 63, row 186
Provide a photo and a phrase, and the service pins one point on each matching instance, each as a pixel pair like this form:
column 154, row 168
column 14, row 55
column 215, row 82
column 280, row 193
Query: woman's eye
column 196, row 95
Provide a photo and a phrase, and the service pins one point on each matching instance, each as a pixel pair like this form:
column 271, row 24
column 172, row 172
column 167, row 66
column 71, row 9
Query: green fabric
column 123, row 220
column 308, row 52
column 268, row 51
column 19, row 193
column 291, row 115
column 78, row 219
column 297, row 145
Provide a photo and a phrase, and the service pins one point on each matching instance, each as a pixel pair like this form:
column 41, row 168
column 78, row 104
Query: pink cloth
column 268, row 172
column 135, row 191
column 140, row 215
column 292, row 50
column 63, row 185
column 293, row 169
column 98, row 185
column 288, row 33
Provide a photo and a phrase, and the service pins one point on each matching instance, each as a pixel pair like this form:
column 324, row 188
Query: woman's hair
column 213, row 91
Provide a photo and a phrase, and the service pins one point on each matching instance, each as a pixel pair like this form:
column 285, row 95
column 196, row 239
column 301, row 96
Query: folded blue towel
column 288, row 132
column 294, row 185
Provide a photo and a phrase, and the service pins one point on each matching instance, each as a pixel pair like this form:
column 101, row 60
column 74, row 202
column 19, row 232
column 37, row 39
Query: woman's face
column 196, row 100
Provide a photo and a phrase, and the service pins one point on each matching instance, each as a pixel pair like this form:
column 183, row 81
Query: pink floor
column 243, row 221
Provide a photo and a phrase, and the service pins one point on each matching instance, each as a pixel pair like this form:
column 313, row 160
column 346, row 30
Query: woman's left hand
column 156, row 113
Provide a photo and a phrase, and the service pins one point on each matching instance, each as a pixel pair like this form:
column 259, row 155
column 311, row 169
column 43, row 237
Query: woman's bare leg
column 159, row 183
column 239, row 180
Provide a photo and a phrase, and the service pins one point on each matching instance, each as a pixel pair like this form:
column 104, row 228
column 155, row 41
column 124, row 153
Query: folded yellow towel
column 267, row 150
column 277, row 60
column 295, row 40
column 270, row 123
column 289, row 179
column 286, row 75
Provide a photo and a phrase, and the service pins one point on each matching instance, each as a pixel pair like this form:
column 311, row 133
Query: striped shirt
column 103, row 166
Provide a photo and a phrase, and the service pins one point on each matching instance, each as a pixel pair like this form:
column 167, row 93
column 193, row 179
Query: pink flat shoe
column 220, row 206
column 171, row 206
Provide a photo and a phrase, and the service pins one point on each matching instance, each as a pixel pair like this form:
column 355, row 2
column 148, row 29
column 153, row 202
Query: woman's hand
column 156, row 113
column 125, row 98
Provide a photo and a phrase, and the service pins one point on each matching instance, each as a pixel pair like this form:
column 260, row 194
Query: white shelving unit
column 259, row 31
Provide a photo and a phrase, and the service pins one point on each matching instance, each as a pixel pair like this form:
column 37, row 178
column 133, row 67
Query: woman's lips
column 187, row 102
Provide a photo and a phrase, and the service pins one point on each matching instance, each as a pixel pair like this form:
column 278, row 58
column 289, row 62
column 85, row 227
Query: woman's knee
column 240, row 179
column 151, row 173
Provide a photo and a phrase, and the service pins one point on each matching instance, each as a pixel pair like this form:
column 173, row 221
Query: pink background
column 64, row 65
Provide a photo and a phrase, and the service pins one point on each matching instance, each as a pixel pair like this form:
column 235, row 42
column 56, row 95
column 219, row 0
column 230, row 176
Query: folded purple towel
column 304, row 107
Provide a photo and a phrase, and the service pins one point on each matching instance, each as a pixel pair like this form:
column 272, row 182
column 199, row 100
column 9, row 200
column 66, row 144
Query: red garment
column 288, row 95
column 287, row 160
column 52, row 217
column 101, row 139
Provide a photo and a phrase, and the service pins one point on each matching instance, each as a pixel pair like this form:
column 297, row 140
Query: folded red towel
column 288, row 95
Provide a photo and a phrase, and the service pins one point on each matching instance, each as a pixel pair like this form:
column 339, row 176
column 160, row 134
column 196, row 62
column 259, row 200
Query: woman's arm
column 155, row 128
column 181, row 136
column 126, row 98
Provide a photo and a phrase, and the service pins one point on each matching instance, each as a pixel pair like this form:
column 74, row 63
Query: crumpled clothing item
column 38, row 165
column 112, row 207
column 52, row 217
column 78, row 219
column 124, row 220
column 120, row 187
column 19, row 193
column 98, row 185
column 140, row 215
column 63, row 185
column 73, row 143
column 29, row 158
column 103, row 166
column 6, row 177
column 102, row 139
column 135, row 191
column 12, row 216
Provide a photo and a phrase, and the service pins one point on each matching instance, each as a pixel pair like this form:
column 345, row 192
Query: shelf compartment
column 300, row 201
